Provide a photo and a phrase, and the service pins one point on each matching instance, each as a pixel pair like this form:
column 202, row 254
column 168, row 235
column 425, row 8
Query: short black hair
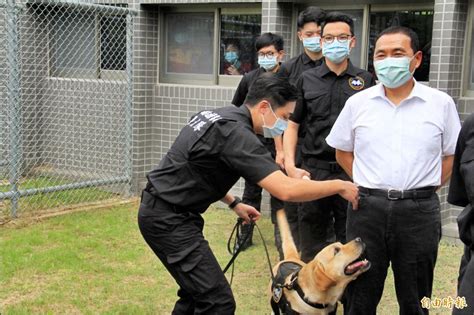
column 414, row 41
column 269, row 39
column 269, row 86
column 335, row 16
column 311, row 14
column 234, row 42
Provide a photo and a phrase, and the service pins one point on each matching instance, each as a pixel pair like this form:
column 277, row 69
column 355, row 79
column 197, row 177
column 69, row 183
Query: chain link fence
column 66, row 105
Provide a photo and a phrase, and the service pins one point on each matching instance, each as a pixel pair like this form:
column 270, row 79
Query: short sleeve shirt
column 397, row 146
column 245, row 84
column 322, row 95
column 207, row 158
column 293, row 68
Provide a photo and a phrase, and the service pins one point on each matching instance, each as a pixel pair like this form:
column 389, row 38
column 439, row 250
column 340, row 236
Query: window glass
column 189, row 43
column 73, row 45
column 113, row 42
column 421, row 21
column 237, row 46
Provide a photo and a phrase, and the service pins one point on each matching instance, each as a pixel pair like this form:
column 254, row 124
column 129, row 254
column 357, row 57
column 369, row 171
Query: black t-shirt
column 207, row 158
column 293, row 68
column 245, row 84
column 321, row 97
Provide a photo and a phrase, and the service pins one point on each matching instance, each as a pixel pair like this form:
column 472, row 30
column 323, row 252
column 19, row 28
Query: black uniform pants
column 291, row 208
column 466, row 282
column 320, row 217
column 404, row 232
column 253, row 196
column 177, row 240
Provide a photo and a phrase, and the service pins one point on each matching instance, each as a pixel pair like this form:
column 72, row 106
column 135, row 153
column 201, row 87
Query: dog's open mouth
column 360, row 263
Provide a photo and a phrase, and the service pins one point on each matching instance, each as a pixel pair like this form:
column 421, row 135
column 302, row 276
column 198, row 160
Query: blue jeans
column 404, row 232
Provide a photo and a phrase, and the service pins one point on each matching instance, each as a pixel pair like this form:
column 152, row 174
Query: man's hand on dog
column 246, row 212
column 350, row 192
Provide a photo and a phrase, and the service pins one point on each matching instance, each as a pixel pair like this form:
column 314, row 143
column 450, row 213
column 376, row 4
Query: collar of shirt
column 417, row 92
column 246, row 112
column 351, row 70
column 306, row 59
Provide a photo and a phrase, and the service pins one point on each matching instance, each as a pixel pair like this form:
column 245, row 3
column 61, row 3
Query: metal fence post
column 129, row 101
column 13, row 101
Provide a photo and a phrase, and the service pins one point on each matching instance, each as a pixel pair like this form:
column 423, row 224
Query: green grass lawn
column 96, row 262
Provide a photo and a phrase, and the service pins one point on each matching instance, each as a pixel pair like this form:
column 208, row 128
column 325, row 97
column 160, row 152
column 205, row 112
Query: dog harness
column 279, row 301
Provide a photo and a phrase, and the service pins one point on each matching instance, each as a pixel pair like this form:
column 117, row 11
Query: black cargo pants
column 176, row 238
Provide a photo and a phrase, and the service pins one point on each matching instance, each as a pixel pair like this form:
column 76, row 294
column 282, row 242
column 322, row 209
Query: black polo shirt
column 247, row 80
column 293, row 68
column 207, row 158
column 321, row 97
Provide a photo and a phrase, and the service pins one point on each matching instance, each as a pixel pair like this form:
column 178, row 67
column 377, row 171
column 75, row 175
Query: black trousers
column 253, row 196
column 177, row 240
column 291, row 208
column 319, row 219
column 466, row 282
column 404, row 232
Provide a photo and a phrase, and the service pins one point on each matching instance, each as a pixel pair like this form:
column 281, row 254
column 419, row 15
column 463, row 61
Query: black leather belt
column 331, row 166
column 394, row 194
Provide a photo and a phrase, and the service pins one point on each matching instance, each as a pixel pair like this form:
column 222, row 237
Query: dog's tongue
column 355, row 266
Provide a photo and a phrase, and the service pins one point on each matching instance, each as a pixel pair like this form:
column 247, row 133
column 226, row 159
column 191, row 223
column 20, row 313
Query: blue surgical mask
column 277, row 129
column 268, row 63
column 393, row 72
column 231, row 56
column 313, row 44
column 336, row 51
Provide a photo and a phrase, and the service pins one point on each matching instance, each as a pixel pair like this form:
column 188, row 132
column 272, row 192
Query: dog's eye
column 336, row 250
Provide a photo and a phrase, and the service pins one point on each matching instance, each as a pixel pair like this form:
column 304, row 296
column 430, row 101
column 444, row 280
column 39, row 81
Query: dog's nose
column 358, row 239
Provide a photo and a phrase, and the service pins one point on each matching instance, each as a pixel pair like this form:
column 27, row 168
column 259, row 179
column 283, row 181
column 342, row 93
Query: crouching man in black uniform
column 207, row 158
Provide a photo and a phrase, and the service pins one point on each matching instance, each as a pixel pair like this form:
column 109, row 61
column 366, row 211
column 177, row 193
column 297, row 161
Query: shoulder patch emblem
column 356, row 83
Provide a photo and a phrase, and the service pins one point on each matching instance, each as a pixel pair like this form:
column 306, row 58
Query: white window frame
column 194, row 79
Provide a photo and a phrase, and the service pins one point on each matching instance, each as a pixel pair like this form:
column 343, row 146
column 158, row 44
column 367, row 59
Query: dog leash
column 235, row 253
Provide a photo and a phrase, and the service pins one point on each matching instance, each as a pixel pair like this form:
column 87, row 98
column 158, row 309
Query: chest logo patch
column 356, row 83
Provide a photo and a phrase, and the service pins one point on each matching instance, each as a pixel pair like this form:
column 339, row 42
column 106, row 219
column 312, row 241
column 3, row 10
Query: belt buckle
column 390, row 195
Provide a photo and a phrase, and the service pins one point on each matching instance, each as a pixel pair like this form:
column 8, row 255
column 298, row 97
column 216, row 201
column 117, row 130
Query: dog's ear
column 323, row 281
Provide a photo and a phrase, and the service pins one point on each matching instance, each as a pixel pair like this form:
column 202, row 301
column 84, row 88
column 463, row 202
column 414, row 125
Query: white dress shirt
column 397, row 147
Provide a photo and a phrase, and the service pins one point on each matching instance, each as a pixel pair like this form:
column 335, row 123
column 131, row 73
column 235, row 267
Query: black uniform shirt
column 207, row 158
column 245, row 84
column 293, row 68
column 321, row 97
column 461, row 187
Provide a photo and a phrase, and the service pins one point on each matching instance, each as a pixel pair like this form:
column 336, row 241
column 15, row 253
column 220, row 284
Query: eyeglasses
column 328, row 39
column 269, row 54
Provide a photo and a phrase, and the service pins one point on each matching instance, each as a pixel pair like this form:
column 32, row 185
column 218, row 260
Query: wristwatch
column 236, row 201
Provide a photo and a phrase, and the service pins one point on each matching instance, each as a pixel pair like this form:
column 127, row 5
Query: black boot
column 243, row 240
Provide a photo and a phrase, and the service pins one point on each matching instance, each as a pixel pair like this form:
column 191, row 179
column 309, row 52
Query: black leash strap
column 266, row 253
column 234, row 252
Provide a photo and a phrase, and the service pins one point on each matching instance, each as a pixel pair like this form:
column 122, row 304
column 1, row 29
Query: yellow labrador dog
column 314, row 288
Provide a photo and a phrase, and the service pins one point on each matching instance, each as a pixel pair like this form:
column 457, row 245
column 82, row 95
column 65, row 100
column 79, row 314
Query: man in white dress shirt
column 397, row 141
